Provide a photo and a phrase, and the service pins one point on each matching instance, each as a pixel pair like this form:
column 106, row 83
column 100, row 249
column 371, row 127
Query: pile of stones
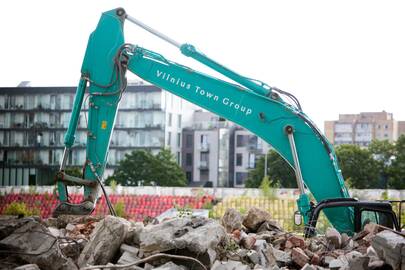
column 236, row 242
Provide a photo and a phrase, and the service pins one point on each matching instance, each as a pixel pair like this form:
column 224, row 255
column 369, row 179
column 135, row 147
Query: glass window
column 179, row 139
column 239, row 158
column 189, row 176
column 203, row 176
column 241, row 140
column 189, row 159
column 370, row 216
column 241, row 178
column 189, row 140
column 169, row 138
column 252, row 159
column 179, row 121
column 169, row 121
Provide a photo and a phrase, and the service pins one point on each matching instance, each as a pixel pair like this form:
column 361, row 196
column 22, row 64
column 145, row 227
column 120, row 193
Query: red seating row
column 137, row 207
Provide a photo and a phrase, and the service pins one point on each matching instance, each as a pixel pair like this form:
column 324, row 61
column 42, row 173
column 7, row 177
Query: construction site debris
column 34, row 243
column 254, row 218
column 105, row 241
column 236, row 242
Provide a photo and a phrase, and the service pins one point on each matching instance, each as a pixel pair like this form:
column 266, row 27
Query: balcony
column 204, row 147
column 204, row 165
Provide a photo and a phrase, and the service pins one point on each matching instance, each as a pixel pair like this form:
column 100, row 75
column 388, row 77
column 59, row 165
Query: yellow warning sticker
column 103, row 124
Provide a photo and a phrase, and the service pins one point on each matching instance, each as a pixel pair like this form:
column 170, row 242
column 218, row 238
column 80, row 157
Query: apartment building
column 33, row 121
column 218, row 152
column 362, row 128
column 245, row 149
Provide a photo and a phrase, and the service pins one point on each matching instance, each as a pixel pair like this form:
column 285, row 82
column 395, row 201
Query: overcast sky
column 335, row 56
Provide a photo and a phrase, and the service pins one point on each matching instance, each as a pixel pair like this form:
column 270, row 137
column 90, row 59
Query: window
column 179, row 139
column 240, row 178
column 241, row 140
column 204, row 141
column 189, row 140
column 252, row 159
column 189, row 159
column 382, row 218
column 179, row 121
column 386, row 126
column 169, row 138
column 239, row 159
column 169, row 121
column 203, row 176
column 178, row 158
column 189, row 176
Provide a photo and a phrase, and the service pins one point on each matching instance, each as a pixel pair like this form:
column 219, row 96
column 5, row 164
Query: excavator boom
column 249, row 103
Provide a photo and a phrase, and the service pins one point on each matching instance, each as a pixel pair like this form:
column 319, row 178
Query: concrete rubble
column 236, row 242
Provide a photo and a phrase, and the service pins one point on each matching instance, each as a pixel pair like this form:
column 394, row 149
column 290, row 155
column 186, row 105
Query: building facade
column 362, row 128
column 245, row 149
column 216, row 152
column 33, row 121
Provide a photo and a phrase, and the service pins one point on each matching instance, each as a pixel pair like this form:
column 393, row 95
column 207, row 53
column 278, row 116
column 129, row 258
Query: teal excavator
column 270, row 113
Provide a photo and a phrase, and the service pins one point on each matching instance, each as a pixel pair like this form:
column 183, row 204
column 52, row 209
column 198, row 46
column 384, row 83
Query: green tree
column 359, row 168
column 167, row 172
column 397, row 168
column 143, row 166
column 383, row 153
column 279, row 171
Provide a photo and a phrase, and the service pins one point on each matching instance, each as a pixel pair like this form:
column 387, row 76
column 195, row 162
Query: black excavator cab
column 379, row 212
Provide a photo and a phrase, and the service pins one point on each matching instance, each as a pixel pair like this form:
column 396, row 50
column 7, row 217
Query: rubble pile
column 236, row 242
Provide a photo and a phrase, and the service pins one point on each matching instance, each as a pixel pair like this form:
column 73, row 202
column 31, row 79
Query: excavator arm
column 249, row 103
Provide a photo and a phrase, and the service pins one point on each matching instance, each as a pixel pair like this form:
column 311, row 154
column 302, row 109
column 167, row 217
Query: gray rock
column 170, row 266
column 308, row 267
column 253, row 256
column 130, row 249
column 127, row 257
column 377, row 264
column 340, row 262
column 198, row 235
column 34, row 238
column 232, row 220
column 27, row 267
column 8, row 224
column 282, row 256
column 229, row 265
column 133, row 234
column 105, row 241
column 390, row 247
column 255, row 217
column 333, row 237
column 356, row 260
column 327, row 259
column 345, row 240
column 70, row 227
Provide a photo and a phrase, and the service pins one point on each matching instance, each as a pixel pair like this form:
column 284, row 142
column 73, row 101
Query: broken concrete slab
column 339, row 263
column 27, row 267
column 253, row 256
column 197, row 235
column 105, row 241
column 229, row 265
column 356, row 260
column 390, row 247
column 255, row 217
column 8, row 224
column 34, row 238
column 232, row 220
column 170, row 266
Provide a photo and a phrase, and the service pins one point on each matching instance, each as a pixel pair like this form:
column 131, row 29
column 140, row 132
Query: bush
column 119, row 208
column 20, row 209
